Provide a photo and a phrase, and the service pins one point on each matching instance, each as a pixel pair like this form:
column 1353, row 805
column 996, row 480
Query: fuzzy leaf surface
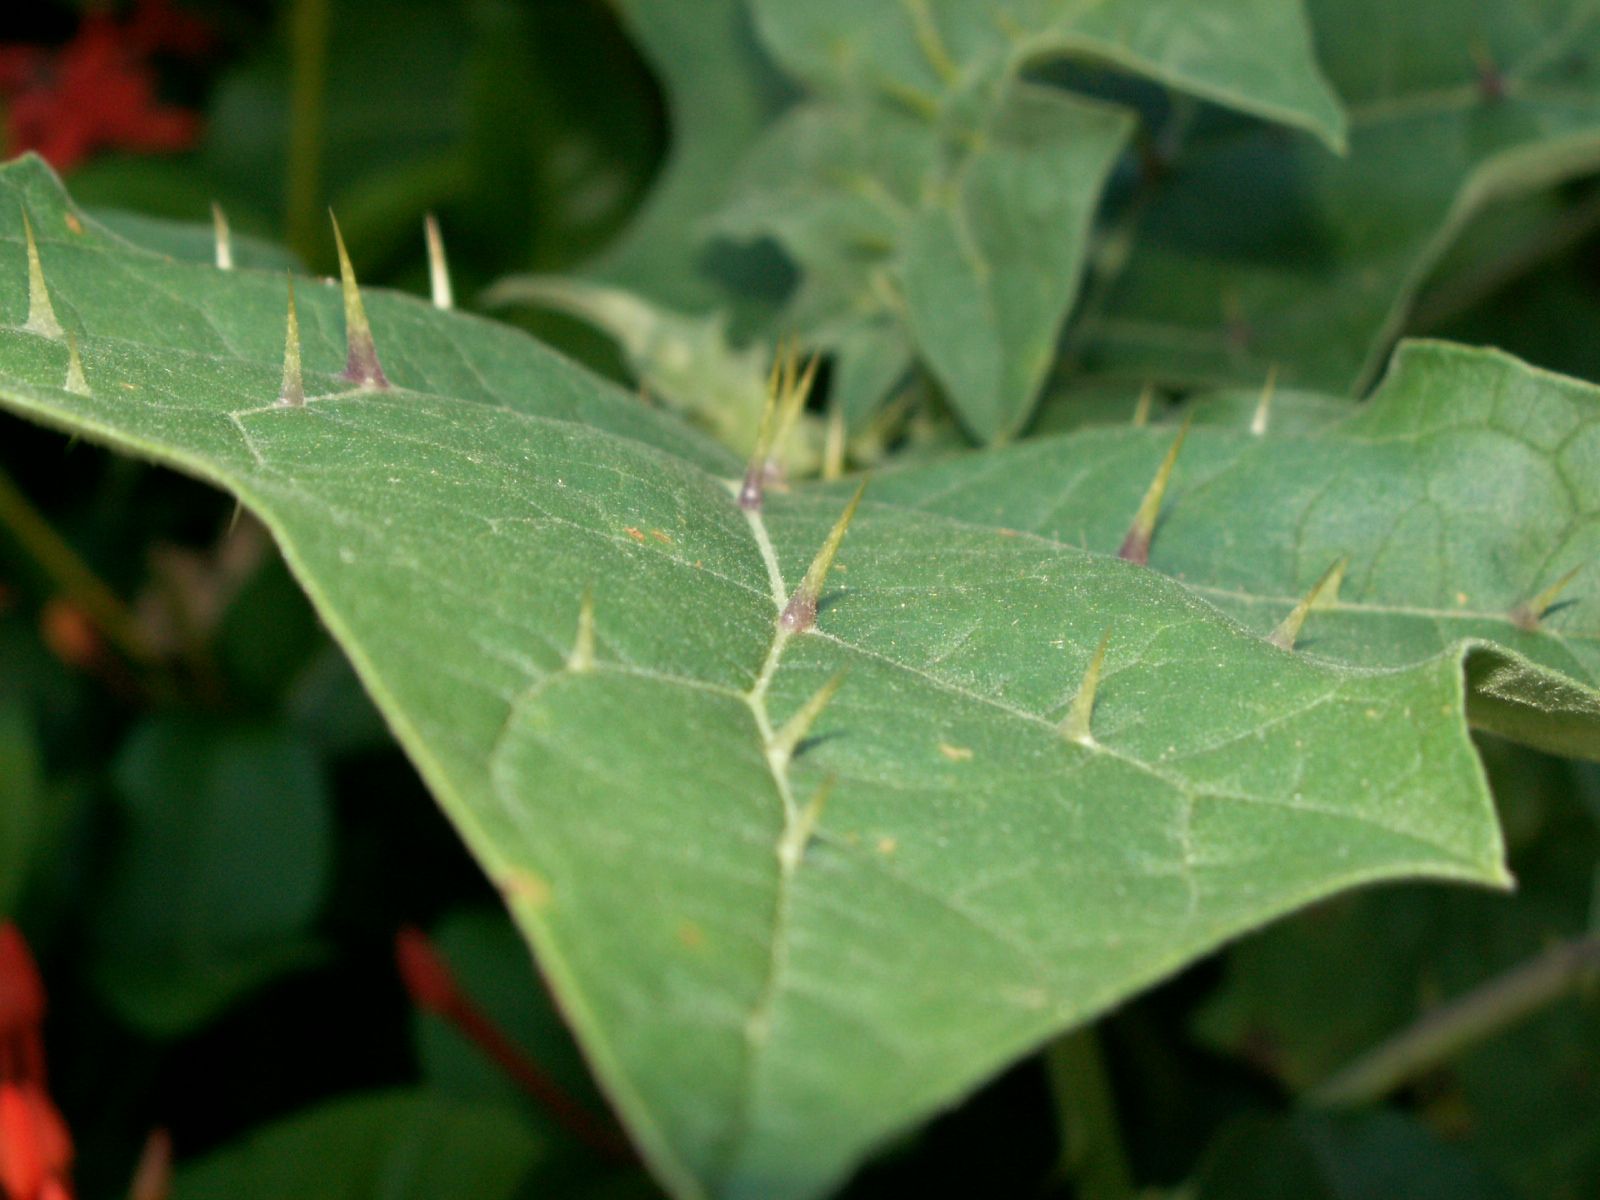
column 763, row 1008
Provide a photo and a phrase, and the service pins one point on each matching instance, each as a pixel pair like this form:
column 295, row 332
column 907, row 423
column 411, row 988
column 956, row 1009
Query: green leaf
column 766, row 985
column 1257, row 251
column 401, row 1145
column 1251, row 55
column 21, row 800
column 1464, row 489
column 222, row 865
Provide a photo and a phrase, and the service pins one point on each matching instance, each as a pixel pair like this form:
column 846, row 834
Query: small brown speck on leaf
column 636, row 534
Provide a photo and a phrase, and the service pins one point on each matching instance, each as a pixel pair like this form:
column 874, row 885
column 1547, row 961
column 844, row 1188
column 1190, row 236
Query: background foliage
column 204, row 827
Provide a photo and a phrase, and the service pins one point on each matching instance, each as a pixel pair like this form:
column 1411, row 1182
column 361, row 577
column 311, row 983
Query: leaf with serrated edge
column 762, row 1008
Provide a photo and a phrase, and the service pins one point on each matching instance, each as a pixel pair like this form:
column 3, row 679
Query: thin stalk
column 1092, row 1158
column 71, row 576
column 308, row 72
column 1456, row 1027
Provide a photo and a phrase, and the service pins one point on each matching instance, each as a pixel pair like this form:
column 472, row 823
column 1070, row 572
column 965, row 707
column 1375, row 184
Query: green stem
column 1092, row 1158
column 1454, row 1028
column 308, row 56
column 69, row 573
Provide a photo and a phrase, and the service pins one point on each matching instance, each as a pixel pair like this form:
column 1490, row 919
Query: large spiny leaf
column 766, row 985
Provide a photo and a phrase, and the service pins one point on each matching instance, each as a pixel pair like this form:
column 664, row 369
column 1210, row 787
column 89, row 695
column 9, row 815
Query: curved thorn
column 1263, row 413
column 1075, row 725
column 1136, row 546
column 224, row 238
column 796, row 728
column 1529, row 613
column 1323, row 593
column 41, row 315
column 361, row 360
column 292, row 391
column 76, row 382
column 800, row 614
column 582, row 657
column 438, row 267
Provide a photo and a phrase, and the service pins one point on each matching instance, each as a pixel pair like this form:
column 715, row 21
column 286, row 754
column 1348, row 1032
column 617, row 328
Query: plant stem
column 69, row 573
column 1448, row 1031
column 1092, row 1158
column 308, row 56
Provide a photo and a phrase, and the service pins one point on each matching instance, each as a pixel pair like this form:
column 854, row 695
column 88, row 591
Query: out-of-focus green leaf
column 221, row 866
column 1376, row 1156
column 20, row 798
column 398, row 1145
column 1256, row 251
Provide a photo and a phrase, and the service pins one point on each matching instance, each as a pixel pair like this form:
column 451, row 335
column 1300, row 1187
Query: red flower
column 35, row 1147
column 98, row 91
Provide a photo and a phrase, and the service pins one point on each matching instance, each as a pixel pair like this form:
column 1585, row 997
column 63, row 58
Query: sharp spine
column 1528, row 615
column 1075, row 726
column 438, row 266
column 1136, row 546
column 582, row 657
column 77, row 382
column 224, row 238
column 292, row 390
column 796, row 728
column 1323, row 593
column 800, row 614
column 361, row 361
column 802, row 827
column 41, row 314
column 1263, row 413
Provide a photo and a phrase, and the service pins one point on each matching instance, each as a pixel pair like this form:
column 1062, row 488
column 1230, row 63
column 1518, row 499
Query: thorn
column 1141, row 411
column 798, row 833
column 438, row 268
column 582, row 657
column 1136, row 546
column 788, row 386
column 1527, row 615
column 41, row 316
column 1258, row 422
column 800, row 614
column 361, row 364
column 76, row 381
column 833, row 445
column 752, row 490
column 1323, row 593
column 219, row 227
column 233, row 518
column 1075, row 726
column 794, row 400
column 796, row 727
column 152, row 1176
column 292, row 392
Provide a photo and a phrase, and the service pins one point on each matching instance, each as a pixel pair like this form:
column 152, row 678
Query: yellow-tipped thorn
column 1141, row 410
column 438, row 267
column 1527, row 615
column 77, row 382
column 41, row 316
column 796, row 728
column 582, row 657
column 292, row 391
column 753, row 490
column 800, row 614
column 224, row 238
column 803, row 826
column 361, row 361
column 1323, row 593
column 1075, row 726
column 1136, row 546
column 1263, row 413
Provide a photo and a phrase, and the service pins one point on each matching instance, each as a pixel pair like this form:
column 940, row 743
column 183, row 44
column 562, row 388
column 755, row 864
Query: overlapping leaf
column 1257, row 250
column 773, row 960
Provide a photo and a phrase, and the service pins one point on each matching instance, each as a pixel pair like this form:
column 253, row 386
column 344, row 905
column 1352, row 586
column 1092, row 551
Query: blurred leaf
column 1257, row 250
column 221, row 868
column 20, row 798
column 398, row 1145
column 1374, row 1156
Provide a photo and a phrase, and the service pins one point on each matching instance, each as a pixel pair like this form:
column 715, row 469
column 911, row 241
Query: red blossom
column 35, row 1147
column 98, row 91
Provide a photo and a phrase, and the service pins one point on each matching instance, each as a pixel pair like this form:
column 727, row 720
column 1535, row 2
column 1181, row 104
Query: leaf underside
column 764, row 1007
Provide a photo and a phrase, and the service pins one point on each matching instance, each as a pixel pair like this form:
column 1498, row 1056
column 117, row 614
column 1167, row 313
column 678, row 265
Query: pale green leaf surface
column 762, row 1009
column 1467, row 485
column 1253, row 55
column 1258, row 251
